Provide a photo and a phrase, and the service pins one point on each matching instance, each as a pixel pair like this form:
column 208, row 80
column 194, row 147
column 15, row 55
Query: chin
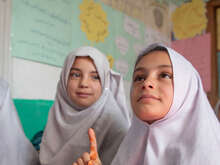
column 85, row 105
column 147, row 115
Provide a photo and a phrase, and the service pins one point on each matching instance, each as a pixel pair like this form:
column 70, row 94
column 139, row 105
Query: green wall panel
column 33, row 114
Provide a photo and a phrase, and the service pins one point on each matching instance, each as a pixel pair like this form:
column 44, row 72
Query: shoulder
column 115, row 119
column 3, row 90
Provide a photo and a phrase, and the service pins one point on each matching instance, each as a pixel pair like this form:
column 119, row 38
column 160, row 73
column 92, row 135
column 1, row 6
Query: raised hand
column 91, row 158
column 94, row 158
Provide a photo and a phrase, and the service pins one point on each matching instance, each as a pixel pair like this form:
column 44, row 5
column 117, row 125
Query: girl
column 174, row 123
column 89, row 94
column 16, row 149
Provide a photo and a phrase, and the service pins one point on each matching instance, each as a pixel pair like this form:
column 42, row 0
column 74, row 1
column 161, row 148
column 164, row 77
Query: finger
column 74, row 163
column 90, row 162
column 80, row 161
column 86, row 157
column 93, row 145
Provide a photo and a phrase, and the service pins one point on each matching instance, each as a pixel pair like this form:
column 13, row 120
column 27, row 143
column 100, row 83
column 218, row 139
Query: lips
column 83, row 94
column 147, row 97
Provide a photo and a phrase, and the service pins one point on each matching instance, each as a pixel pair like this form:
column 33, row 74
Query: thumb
column 93, row 145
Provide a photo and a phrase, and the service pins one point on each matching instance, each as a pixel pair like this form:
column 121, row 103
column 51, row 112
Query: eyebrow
column 74, row 69
column 159, row 67
column 77, row 69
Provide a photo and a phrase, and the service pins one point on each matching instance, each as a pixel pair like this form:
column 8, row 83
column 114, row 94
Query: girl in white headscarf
column 89, row 94
column 174, row 123
column 15, row 148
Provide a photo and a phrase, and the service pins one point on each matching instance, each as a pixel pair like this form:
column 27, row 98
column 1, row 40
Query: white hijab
column 188, row 135
column 65, row 138
column 15, row 148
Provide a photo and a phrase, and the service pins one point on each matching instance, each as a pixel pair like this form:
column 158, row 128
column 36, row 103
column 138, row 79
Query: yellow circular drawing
column 93, row 21
column 189, row 19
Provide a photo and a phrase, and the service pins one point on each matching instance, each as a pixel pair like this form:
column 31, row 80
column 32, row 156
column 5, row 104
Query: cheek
column 71, row 86
column 97, row 89
column 135, row 91
column 168, row 95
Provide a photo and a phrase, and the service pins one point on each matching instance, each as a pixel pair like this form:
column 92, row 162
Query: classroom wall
column 33, row 91
column 33, row 84
column 33, row 81
column 5, row 58
column 41, row 39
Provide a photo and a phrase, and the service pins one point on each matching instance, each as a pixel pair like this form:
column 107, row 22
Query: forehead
column 154, row 58
column 79, row 60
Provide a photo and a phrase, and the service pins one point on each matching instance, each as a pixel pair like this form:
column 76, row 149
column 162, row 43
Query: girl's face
column 152, row 89
column 84, row 85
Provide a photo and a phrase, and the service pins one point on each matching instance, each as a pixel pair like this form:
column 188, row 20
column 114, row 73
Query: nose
column 148, row 83
column 84, row 82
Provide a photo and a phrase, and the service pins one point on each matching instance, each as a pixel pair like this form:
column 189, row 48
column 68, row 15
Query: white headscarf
column 15, row 148
column 188, row 135
column 65, row 138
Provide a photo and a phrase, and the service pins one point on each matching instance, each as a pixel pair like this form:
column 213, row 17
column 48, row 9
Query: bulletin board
column 55, row 27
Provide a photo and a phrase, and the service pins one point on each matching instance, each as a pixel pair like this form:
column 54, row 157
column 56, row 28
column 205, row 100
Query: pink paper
column 198, row 51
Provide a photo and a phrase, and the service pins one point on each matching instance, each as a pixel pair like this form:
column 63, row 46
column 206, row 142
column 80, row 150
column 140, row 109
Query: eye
column 166, row 75
column 139, row 78
column 74, row 75
column 96, row 77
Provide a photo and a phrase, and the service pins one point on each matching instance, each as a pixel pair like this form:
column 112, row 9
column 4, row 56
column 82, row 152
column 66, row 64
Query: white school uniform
column 15, row 148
